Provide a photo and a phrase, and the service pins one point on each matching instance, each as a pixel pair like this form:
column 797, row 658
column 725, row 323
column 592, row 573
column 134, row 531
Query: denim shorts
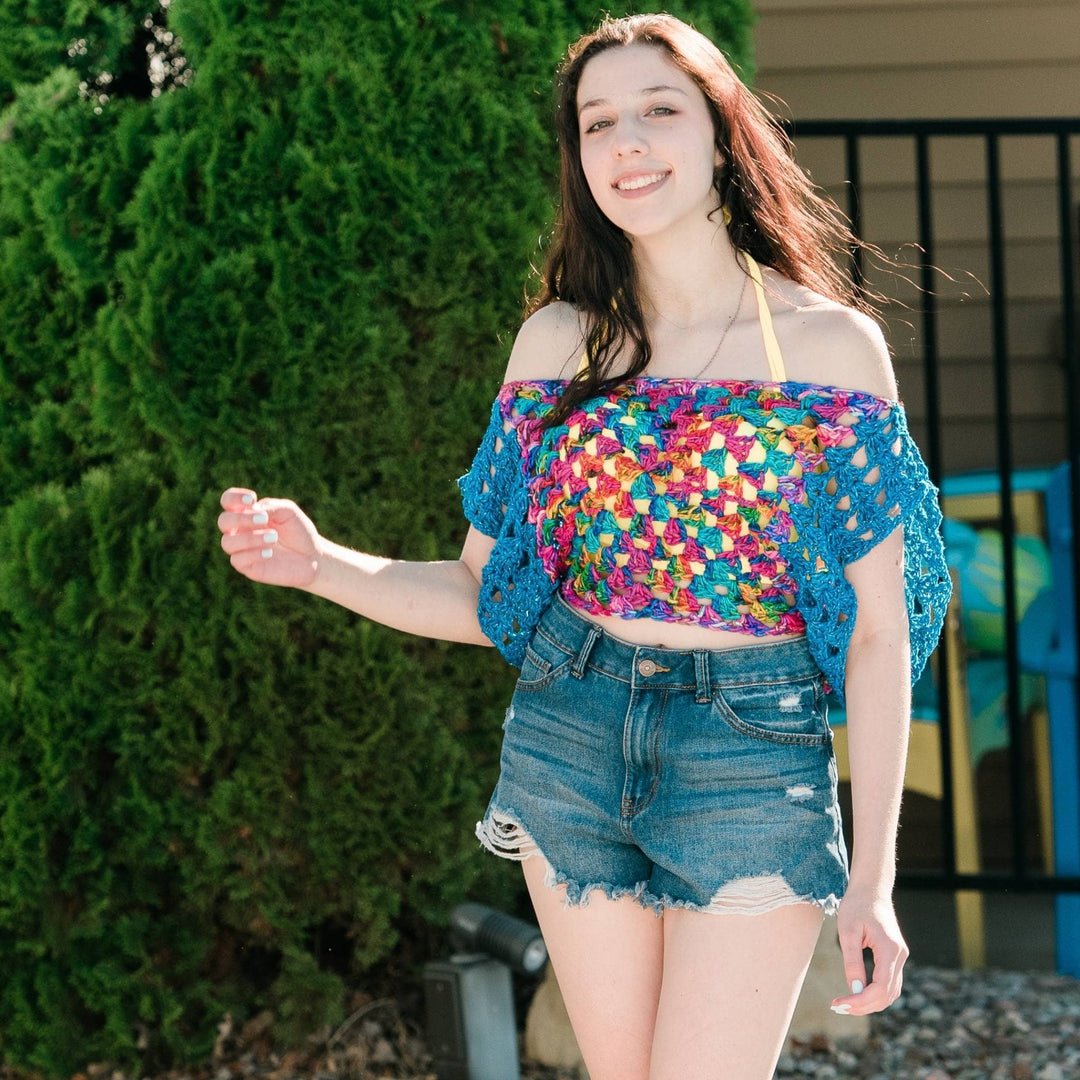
column 701, row 779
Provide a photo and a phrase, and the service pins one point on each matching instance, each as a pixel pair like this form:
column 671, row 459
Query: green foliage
column 301, row 273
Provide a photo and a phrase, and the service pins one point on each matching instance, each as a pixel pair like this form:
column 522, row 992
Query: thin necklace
column 730, row 324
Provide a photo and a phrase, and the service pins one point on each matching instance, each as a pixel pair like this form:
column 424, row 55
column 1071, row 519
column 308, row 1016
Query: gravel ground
column 961, row 1025
column 947, row 1025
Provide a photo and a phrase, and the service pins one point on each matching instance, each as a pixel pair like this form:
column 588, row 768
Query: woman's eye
column 656, row 110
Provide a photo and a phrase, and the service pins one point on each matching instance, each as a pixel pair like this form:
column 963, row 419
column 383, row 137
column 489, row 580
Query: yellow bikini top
column 768, row 334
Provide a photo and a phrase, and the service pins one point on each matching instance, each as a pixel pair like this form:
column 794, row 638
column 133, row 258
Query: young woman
column 696, row 474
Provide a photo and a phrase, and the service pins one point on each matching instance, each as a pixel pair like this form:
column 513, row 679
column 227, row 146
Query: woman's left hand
column 866, row 919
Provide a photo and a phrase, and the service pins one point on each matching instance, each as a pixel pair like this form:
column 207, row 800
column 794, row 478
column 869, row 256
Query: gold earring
column 726, row 214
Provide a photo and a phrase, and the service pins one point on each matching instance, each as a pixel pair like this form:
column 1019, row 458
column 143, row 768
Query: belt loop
column 578, row 666
column 701, row 664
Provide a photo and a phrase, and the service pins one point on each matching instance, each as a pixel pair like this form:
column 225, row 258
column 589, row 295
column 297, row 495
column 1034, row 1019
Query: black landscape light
column 469, row 999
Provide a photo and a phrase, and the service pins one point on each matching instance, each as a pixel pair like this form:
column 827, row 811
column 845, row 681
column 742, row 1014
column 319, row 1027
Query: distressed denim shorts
column 701, row 779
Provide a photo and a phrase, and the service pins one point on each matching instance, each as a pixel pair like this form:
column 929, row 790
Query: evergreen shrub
column 301, row 271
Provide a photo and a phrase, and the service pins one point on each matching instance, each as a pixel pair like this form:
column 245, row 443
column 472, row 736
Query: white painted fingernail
column 261, row 518
column 843, row 1010
column 856, row 984
column 247, row 500
column 270, row 537
column 268, row 553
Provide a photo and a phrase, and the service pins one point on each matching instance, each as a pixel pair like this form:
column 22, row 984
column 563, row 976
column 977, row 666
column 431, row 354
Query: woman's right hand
column 269, row 540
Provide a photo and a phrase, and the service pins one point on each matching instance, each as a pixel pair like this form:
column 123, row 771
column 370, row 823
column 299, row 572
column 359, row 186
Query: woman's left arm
column 878, row 705
column 877, row 692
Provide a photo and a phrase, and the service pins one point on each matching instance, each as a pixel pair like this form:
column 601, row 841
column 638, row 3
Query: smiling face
column 648, row 147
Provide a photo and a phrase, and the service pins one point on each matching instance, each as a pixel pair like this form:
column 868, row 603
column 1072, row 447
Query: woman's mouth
column 638, row 184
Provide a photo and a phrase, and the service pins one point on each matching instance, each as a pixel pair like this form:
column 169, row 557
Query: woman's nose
column 630, row 139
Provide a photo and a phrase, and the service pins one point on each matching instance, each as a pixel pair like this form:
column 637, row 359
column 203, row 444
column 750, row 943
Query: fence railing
column 921, row 133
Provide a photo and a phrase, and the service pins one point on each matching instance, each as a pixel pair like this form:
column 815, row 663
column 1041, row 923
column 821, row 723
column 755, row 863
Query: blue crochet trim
column 516, row 589
column 900, row 493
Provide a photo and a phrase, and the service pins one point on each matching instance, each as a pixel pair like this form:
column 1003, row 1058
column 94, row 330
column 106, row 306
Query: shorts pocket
column 545, row 662
column 791, row 712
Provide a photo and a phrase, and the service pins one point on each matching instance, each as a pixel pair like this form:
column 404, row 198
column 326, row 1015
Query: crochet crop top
column 669, row 499
column 727, row 504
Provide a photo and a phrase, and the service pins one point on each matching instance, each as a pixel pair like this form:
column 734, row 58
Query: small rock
column 370, row 1029
column 1014, row 1022
column 414, row 1047
column 256, row 1026
column 383, row 1052
column 1050, row 1071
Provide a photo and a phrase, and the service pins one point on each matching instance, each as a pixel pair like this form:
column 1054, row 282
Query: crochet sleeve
column 489, row 485
column 515, row 587
column 872, row 479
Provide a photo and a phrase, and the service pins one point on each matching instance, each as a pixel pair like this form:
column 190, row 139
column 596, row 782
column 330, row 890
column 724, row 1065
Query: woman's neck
column 687, row 280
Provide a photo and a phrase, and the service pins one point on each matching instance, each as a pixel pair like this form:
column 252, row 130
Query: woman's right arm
column 272, row 541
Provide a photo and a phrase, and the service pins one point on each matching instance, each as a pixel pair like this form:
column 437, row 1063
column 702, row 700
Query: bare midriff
column 669, row 635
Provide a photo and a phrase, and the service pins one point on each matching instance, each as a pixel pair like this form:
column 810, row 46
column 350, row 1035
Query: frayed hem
column 503, row 834
column 659, row 904
column 827, row 905
column 577, row 895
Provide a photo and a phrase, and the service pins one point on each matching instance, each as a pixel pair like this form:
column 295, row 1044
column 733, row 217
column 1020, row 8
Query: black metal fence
column 921, row 133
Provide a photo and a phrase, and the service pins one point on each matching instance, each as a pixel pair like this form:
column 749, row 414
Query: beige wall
column 907, row 58
column 945, row 59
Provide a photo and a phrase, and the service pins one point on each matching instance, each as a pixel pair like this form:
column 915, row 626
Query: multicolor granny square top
column 670, row 498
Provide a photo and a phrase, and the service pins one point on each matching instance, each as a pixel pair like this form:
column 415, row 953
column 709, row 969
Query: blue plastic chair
column 1048, row 645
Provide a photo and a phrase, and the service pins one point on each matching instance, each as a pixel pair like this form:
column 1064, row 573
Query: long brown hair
column 776, row 213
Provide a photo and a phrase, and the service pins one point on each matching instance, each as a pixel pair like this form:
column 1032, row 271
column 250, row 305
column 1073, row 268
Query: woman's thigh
column 730, row 985
column 608, row 957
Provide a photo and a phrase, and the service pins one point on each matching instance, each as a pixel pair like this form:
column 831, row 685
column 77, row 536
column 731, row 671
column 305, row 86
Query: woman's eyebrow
column 641, row 93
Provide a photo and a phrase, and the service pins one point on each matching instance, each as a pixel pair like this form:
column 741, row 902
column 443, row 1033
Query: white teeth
column 639, row 182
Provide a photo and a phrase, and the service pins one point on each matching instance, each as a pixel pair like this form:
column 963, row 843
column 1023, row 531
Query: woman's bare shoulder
column 548, row 344
column 841, row 346
column 827, row 342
